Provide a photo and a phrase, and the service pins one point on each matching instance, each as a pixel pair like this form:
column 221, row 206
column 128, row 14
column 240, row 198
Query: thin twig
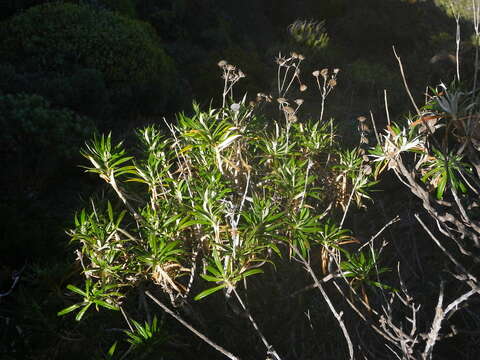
column 456, row 15
column 126, row 319
column 191, row 328
column 269, row 347
column 387, row 112
column 445, row 251
column 16, row 277
column 393, row 221
column 337, row 315
column 405, row 82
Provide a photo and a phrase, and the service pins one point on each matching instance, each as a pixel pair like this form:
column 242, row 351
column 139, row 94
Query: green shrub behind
column 54, row 36
column 35, row 143
column 57, row 40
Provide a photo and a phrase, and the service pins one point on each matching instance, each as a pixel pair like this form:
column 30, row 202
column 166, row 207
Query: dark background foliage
column 70, row 68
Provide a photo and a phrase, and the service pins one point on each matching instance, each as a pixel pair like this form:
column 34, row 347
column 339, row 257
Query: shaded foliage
column 36, row 142
column 55, row 42
column 97, row 58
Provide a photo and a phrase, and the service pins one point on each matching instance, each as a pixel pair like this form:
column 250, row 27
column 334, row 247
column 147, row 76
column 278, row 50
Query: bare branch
column 336, row 314
column 405, row 82
column 191, row 328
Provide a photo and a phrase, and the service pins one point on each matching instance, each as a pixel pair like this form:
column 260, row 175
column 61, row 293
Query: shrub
column 229, row 192
column 124, row 7
column 221, row 196
column 59, row 37
column 463, row 8
column 84, row 91
column 35, row 143
column 30, row 125
column 311, row 34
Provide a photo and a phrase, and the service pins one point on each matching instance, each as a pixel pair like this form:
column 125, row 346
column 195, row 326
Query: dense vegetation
column 265, row 216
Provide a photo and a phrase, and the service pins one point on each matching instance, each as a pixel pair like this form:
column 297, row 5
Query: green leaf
column 441, row 187
column 251, row 272
column 227, row 142
column 110, row 211
column 76, row 290
column 211, row 278
column 215, row 271
column 209, row 291
column 69, row 309
column 111, row 351
column 82, row 312
column 106, row 305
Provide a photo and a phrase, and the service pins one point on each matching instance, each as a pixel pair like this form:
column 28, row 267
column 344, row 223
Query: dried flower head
column 367, row 170
column 361, row 118
column 230, row 67
column 303, row 87
column 289, row 110
column 299, row 102
column 222, row 63
column 235, row 107
column 292, row 118
column 282, row 100
column 301, row 57
column 332, row 83
column 241, row 74
column 294, row 55
column 363, row 126
column 316, row 73
column 324, row 72
column 336, row 70
column 280, row 60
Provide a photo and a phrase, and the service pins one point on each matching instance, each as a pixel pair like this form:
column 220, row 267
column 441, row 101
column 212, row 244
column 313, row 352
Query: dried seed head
column 292, row 118
column 332, row 83
column 294, row 55
column 222, row 63
column 280, row 60
column 367, row 170
column 241, row 74
column 282, row 100
column 303, row 87
column 235, row 107
column 324, row 72
column 361, row 118
column 363, row 126
column 230, row 67
column 336, row 70
column 289, row 110
column 301, row 57
column 316, row 73
column 299, row 102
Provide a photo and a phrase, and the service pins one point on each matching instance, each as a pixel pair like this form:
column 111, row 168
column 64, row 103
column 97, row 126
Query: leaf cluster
column 225, row 187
